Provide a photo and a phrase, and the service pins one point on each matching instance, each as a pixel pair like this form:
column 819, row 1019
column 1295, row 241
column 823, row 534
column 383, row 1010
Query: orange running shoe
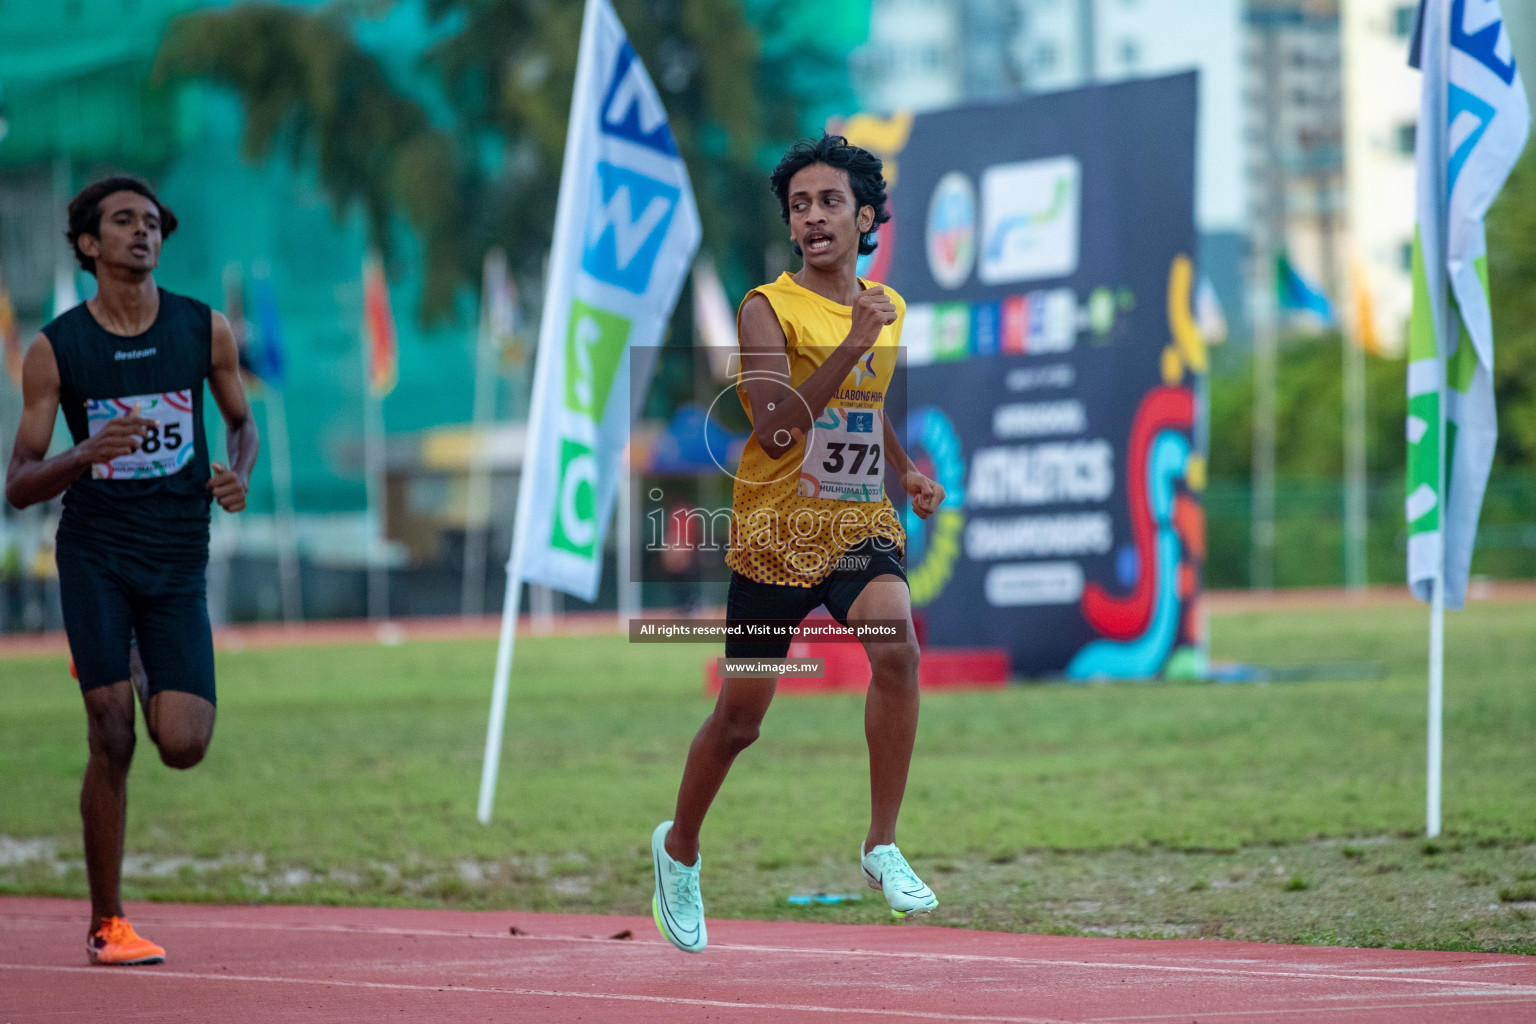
column 115, row 942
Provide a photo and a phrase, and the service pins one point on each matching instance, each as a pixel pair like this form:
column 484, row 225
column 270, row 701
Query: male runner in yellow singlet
column 810, row 523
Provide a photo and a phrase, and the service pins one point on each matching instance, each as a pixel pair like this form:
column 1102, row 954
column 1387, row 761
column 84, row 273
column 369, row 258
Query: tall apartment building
column 914, row 58
column 926, row 54
column 1295, row 141
column 1381, row 110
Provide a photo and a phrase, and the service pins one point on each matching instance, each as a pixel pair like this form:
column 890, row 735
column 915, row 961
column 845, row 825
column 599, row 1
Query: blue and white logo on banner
column 626, row 224
column 631, row 108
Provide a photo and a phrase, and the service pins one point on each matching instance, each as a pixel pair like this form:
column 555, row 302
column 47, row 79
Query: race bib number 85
column 166, row 447
column 845, row 462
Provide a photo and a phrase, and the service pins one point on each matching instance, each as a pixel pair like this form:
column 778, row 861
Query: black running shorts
column 751, row 601
column 107, row 596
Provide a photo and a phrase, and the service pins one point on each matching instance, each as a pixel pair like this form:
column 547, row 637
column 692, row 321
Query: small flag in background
column 271, row 365
column 1473, row 123
column 381, row 348
column 1365, row 333
column 712, row 318
column 66, row 295
column 1298, row 295
column 10, row 335
column 234, row 310
column 1209, row 316
column 499, row 310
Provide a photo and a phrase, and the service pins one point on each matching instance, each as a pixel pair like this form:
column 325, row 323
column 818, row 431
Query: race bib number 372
column 845, row 462
column 166, row 447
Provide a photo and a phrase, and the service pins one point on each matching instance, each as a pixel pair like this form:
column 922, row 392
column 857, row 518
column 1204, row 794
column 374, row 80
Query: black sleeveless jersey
column 155, row 502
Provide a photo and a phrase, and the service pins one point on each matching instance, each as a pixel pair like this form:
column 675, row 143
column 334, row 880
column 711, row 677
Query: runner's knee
column 736, row 730
column 894, row 664
column 112, row 740
column 182, row 752
column 181, row 724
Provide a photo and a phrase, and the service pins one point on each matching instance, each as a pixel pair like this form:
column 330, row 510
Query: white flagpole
column 1355, row 522
column 567, row 210
column 282, row 493
column 1437, row 618
column 477, row 499
column 1444, row 329
column 491, row 763
column 373, row 457
column 629, row 603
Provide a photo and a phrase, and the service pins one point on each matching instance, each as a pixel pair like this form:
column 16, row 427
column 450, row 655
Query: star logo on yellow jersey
column 864, row 368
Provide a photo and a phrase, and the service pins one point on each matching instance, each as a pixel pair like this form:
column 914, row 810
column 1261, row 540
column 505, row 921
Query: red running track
column 235, row 965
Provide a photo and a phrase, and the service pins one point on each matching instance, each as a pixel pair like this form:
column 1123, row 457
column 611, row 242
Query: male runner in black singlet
column 128, row 369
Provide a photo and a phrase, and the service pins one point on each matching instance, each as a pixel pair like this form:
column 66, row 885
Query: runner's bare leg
column 104, row 794
column 890, row 709
column 731, row 728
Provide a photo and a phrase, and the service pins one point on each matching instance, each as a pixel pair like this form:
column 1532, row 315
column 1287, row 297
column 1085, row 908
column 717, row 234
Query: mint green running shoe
column 677, row 905
column 887, row 870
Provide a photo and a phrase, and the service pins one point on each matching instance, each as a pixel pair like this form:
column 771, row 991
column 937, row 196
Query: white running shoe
column 887, row 870
column 677, row 905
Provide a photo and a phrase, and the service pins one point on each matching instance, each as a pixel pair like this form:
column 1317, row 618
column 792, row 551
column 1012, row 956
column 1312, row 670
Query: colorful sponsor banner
column 1052, row 357
column 1473, row 122
column 626, row 230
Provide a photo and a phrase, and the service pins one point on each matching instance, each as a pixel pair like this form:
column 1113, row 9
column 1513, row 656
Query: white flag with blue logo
column 1473, row 123
column 626, row 230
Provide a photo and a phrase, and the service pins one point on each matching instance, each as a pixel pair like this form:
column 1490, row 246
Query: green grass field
column 1281, row 812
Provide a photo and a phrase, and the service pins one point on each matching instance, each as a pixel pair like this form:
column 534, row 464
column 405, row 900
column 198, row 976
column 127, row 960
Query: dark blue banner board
column 1044, row 247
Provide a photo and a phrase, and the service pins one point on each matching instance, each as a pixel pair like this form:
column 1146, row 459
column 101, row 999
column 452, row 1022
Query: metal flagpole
column 629, row 603
column 477, row 499
column 282, row 493
column 1437, row 623
column 491, row 764
column 1261, row 574
column 265, row 326
column 1444, row 330
column 546, row 354
column 1355, row 523
column 373, row 457
column 1261, row 513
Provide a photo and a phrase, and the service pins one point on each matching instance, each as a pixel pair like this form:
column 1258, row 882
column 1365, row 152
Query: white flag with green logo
column 1473, row 122
column 626, row 230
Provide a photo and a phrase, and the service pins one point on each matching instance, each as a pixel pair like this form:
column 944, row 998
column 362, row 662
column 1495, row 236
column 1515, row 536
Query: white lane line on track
column 730, row 1005
column 1215, row 966
column 1454, row 967
column 155, row 972
column 1206, row 1015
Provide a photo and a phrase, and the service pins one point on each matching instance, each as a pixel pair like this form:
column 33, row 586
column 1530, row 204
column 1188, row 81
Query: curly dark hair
column 85, row 213
column 864, row 177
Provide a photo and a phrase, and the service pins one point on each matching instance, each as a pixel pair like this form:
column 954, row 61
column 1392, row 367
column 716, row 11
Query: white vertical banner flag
column 1473, row 123
column 626, row 230
column 714, row 319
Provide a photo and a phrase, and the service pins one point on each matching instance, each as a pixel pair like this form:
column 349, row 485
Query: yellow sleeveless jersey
column 795, row 516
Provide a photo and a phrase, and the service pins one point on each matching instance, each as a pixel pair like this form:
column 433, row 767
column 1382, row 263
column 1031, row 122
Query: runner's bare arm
column 926, row 493
column 32, row 476
column 764, row 358
column 229, row 484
